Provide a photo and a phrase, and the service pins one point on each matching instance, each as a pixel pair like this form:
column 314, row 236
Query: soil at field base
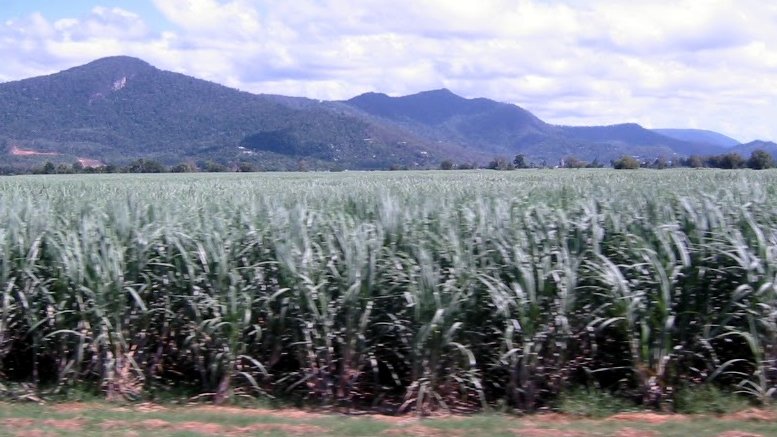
column 65, row 424
column 739, row 434
column 419, row 431
column 653, row 418
column 752, row 415
column 213, row 428
column 18, row 422
column 33, row 433
column 542, row 432
column 402, row 425
column 631, row 432
column 282, row 414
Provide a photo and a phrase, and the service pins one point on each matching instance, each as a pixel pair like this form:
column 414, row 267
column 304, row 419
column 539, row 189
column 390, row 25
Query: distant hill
column 634, row 135
column 442, row 116
column 699, row 136
column 748, row 148
column 501, row 128
column 118, row 109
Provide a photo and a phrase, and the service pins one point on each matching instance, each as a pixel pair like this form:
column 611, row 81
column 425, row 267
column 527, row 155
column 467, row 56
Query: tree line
column 149, row 166
column 759, row 160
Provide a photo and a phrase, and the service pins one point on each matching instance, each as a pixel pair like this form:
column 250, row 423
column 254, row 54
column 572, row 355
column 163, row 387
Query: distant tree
column 246, row 167
column 64, row 169
column 467, row 166
column 596, row 164
column 215, row 167
column 49, row 168
column 760, row 160
column 520, row 161
column 302, row 165
column 336, row 168
column 695, row 161
column 660, row 163
column 626, row 162
column 573, row 162
column 146, row 166
column 732, row 161
column 78, row 167
column 181, row 168
column 447, row 165
column 500, row 163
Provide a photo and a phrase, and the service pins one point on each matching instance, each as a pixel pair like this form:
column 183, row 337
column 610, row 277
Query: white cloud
column 212, row 18
column 664, row 63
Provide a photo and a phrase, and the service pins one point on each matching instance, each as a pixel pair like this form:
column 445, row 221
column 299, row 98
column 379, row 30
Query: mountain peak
column 111, row 69
column 119, row 61
column 440, row 92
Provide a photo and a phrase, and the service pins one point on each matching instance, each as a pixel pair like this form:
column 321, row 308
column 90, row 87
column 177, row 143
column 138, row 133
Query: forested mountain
column 699, row 136
column 119, row 109
column 501, row 128
column 748, row 148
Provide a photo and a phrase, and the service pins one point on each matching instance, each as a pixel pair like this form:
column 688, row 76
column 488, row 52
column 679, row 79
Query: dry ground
column 100, row 419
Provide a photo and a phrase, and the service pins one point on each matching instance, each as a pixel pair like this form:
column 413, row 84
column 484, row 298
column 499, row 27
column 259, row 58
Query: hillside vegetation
column 116, row 110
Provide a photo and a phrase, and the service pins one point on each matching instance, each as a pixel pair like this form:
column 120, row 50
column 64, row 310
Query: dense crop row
column 407, row 291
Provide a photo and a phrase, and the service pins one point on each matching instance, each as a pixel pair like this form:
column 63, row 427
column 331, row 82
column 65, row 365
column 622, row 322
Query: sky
column 706, row 64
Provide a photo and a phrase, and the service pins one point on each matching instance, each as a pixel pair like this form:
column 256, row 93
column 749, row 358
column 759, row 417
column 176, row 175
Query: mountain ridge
column 699, row 136
column 120, row 108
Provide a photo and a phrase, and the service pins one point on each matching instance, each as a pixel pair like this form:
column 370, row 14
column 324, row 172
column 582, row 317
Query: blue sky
column 709, row 64
column 58, row 9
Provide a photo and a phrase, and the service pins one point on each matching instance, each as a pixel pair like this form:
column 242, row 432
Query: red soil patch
column 554, row 418
column 155, row 423
column 752, row 415
column 33, row 433
column 286, row 428
column 631, row 432
column 419, row 431
column 112, row 424
column 739, row 434
column 394, row 420
column 282, row 414
column 148, row 407
column 542, row 432
column 23, row 152
column 653, row 418
column 86, row 162
column 199, row 427
column 90, row 162
column 213, row 428
column 65, row 424
column 17, row 422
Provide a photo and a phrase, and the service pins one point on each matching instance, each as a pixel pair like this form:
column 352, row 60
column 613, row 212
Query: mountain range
column 118, row 109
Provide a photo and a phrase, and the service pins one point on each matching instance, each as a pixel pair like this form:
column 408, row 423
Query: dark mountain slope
column 118, row 109
column 502, row 128
column 441, row 115
column 632, row 134
column 699, row 136
column 748, row 148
